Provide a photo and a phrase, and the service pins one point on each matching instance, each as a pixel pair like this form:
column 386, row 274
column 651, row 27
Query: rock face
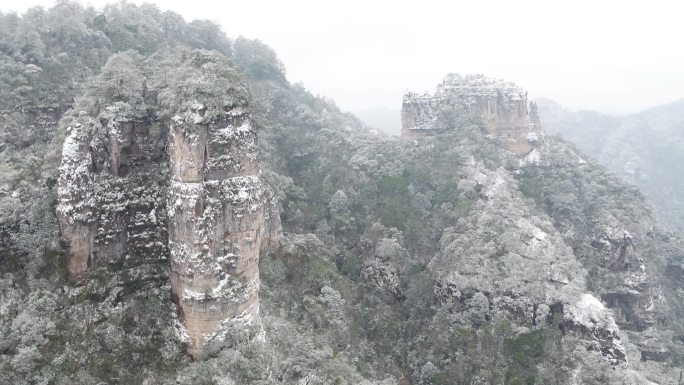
column 590, row 321
column 501, row 107
column 515, row 256
column 111, row 190
column 627, row 257
column 145, row 183
column 219, row 217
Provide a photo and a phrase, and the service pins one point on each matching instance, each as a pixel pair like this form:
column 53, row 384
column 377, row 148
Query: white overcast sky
column 612, row 56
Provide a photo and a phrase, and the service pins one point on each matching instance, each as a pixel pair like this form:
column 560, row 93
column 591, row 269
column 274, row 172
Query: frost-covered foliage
column 443, row 243
column 444, row 261
column 47, row 59
column 644, row 149
column 203, row 81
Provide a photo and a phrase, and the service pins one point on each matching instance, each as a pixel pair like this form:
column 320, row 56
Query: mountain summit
column 500, row 107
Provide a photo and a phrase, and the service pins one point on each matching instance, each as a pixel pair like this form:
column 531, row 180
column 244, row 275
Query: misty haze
column 312, row 193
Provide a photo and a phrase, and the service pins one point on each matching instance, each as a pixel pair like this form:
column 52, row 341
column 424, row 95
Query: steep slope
column 115, row 178
column 438, row 261
column 115, row 319
column 644, row 149
column 497, row 257
column 114, row 184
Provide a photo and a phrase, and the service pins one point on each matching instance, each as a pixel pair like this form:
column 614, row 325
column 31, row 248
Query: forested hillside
column 446, row 260
column 645, row 149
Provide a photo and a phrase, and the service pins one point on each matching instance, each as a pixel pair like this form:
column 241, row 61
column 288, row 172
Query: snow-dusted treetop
column 478, row 85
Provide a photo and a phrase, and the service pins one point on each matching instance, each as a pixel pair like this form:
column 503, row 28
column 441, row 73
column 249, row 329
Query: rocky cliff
column 220, row 216
column 629, row 259
column 445, row 260
column 111, row 190
column 135, row 187
column 501, row 107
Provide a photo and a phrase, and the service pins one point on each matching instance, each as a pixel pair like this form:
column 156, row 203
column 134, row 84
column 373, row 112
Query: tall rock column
column 76, row 211
column 219, row 216
column 110, row 192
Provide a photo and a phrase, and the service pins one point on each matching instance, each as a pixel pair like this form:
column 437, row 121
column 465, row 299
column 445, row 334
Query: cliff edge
column 169, row 171
column 500, row 107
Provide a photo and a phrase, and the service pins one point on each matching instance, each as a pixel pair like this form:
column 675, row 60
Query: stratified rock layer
column 163, row 175
column 219, row 217
column 501, row 107
column 111, row 191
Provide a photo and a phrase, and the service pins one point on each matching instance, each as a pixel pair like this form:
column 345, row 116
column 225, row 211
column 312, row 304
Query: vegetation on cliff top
column 403, row 262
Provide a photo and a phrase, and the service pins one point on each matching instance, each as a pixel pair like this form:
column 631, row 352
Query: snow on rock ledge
column 590, row 321
column 590, row 313
column 220, row 215
column 108, row 186
column 500, row 107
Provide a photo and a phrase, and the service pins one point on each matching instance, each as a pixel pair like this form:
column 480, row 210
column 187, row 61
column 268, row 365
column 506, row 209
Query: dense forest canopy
column 445, row 260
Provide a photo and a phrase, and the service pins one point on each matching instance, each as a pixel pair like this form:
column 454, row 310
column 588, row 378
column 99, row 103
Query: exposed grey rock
column 220, row 218
column 501, row 107
column 117, row 198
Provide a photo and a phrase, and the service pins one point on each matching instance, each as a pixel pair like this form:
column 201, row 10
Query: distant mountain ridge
column 143, row 160
column 646, row 149
column 384, row 119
